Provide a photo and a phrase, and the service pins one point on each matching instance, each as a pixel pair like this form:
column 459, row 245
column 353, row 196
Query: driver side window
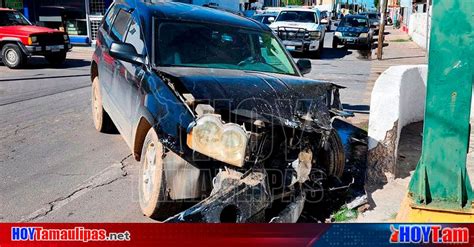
column 135, row 38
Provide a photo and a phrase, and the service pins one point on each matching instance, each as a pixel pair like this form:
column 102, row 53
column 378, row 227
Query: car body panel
column 21, row 34
column 167, row 97
column 351, row 35
column 288, row 31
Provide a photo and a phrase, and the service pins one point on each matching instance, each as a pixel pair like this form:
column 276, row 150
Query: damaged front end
column 271, row 156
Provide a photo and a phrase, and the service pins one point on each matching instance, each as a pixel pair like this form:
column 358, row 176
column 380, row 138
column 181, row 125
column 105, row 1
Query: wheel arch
column 15, row 42
column 94, row 70
column 142, row 129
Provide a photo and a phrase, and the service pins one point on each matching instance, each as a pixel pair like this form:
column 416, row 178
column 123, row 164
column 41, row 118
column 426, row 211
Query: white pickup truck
column 300, row 30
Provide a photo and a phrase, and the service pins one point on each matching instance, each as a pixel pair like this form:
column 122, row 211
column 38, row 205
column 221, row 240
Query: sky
column 369, row 3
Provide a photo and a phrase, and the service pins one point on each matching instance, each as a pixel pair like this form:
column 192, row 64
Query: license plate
column 350, row 40
column 56, row 48
column 290, row 47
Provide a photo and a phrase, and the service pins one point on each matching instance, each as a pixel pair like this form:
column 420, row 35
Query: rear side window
column 120, row 25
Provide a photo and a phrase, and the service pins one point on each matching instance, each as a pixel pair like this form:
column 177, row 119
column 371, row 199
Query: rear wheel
column 332, row 156
column 12, row 56
column 154, row 200
column 56, row 58
column 102, row 121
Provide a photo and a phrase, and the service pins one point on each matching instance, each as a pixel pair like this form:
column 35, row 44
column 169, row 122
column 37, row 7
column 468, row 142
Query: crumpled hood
column 306, row 25
column 270, row 96
column 353, row 29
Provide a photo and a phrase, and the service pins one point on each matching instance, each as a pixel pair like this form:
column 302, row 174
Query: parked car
column 266, row 19
column 216, row 111
column 353, row 30
column 301, row 30
column 19, row 40
column 374, row 21
column 326, row 19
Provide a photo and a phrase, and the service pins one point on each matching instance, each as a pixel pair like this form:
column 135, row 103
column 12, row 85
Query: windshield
column 221, row 47
column 353, row 22
column 263, row 18
column 10, row 18
column 297, row 16
column 372, row 16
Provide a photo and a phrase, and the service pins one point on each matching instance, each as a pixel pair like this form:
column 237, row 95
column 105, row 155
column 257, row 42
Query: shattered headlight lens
column 223, row 142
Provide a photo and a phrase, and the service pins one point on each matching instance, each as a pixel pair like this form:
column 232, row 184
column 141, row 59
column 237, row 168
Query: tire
column 332, row 156
column 56, row 59
column 154, row 200
column 315, row 54
column 102, row 121
column 334, row 43
column 13, row 57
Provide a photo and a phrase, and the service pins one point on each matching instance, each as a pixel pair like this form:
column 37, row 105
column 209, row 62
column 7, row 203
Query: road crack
column 106, row 177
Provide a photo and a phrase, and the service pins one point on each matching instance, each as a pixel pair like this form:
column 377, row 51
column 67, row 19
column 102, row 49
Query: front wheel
column 56, row 59
column 154, row 199
column 102, row 121
column 334, row 44
column 12, row 56
column 332, row 156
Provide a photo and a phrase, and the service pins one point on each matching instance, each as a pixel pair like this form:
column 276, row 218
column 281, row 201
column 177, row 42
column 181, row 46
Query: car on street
column 326, row 19
column 19, row 40
column 374, row 20
column 216, row 110
column 301, row 30
column 353, row 30
column 266, row 19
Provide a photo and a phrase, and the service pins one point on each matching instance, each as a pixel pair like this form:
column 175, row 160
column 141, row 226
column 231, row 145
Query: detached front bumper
column 241, row 198
column 302, row 45
column 47, row 49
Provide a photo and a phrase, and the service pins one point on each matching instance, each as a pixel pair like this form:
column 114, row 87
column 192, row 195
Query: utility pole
column 381, row 30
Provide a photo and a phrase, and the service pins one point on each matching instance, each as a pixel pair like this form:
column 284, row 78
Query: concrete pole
column 381, row 30
column 440, row 180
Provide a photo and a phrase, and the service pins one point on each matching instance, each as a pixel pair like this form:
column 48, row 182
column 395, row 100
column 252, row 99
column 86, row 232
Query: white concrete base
column 398, row 99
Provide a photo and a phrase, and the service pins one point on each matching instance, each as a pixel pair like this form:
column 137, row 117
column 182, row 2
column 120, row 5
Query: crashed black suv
column 216, row 111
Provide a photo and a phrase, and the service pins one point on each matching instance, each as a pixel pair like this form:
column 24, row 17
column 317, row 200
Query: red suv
column 19, row 39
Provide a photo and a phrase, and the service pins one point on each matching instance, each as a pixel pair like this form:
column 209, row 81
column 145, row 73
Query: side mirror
column 336, row 24
column 271, row 19
column 126, row 52
column 304, row 65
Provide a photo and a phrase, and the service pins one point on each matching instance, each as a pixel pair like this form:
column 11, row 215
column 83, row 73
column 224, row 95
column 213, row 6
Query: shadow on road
column 44, row 77
column 326, row 54
column 41, row 63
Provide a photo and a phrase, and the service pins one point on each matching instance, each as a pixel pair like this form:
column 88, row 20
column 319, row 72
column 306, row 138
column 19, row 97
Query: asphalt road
column 54, row 166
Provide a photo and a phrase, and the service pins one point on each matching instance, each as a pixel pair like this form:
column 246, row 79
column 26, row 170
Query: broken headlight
column 223, row 142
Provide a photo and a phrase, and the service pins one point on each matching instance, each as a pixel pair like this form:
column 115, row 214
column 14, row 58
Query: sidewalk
column 385, row 202
column 400, row 50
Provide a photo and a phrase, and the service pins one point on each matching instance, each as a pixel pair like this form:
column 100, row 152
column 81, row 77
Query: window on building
column 65, row 15
column 120, row 25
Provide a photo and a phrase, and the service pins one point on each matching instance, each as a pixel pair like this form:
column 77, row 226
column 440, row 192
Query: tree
column 376, row 3
column 295, row 2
